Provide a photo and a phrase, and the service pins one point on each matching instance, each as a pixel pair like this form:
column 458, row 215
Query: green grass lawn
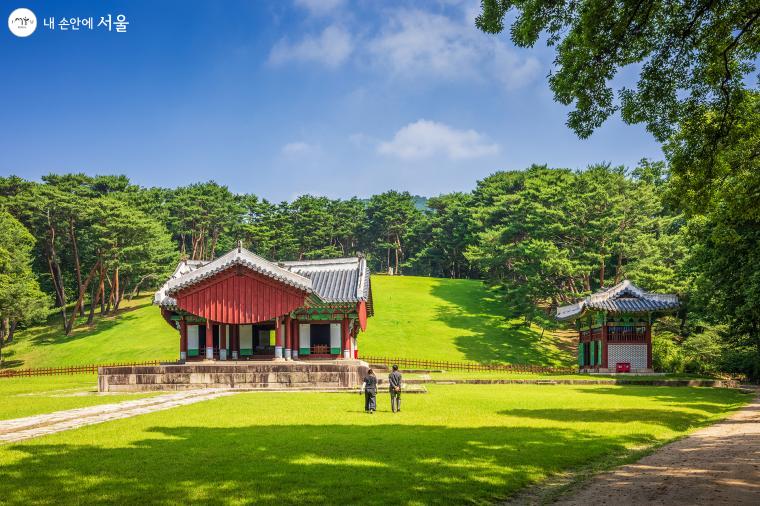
column 429, row 318
column 45, row 394
column 136, row 333
column 457, row 444
column 454, row 374
column 452, row 319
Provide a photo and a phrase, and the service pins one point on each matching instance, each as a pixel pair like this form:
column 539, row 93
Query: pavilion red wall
column 240, row 296
column 361, row 310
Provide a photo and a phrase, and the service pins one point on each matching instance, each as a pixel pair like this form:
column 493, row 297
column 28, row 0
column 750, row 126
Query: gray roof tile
column 625, row 297
column 335, row 280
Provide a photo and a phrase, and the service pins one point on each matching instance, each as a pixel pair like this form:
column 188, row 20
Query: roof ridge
column 240, row 256
column 321, row 261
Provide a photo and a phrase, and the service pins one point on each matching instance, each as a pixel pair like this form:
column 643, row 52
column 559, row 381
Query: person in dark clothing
column 369, row 387
column 394, row 384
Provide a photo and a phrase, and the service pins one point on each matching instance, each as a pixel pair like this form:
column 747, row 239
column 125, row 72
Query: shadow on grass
column 674, row 420
column 709, row 400
column 495, row 338
column 297, row 464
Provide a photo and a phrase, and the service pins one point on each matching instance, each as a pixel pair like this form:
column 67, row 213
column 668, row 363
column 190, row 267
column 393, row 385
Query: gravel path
column 19, row 429
column 719, row 464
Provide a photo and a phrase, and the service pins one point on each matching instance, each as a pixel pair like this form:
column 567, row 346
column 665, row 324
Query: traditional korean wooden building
column 241, row 306
column 615, row 327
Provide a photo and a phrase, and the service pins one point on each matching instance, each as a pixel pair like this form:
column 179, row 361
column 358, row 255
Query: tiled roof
column 625, row 297
column 339, row 280
column 335, row 280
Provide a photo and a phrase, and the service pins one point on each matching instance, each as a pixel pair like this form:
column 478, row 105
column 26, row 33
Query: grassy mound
column 429, row 318
column 452, row 319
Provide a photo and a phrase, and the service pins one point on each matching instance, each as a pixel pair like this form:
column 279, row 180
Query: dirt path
column 19, row 429
column 719, row 464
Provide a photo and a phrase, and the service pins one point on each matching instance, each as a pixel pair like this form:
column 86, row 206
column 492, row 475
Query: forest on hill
column 538, row 237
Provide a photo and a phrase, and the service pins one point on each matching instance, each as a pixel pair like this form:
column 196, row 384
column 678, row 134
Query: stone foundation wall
column 634, row 354
column 266, row 375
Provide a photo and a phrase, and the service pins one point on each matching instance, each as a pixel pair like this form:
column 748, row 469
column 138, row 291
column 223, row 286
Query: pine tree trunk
column 115, row 290
column 55, row 270
column 75, row 251
column 82, row 291
column 213, row 244
column 195, row 246
column 398, row 250
column 619, row 268
column 102, row 290
column 11, row 331
column 93, row 301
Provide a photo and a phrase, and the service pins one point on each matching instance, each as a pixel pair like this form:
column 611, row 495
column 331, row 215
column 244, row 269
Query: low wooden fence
column 74, row 369
column 413, row 363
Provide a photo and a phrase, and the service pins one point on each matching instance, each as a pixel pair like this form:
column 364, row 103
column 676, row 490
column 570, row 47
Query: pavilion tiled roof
column 625, row 297
column 339, row 280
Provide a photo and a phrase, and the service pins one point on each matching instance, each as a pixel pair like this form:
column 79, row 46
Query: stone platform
column 287, row 375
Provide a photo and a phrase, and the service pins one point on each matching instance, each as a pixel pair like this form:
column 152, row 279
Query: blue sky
column 281, row 98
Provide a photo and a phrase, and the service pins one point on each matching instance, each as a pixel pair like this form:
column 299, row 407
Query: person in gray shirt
column 369, row 387
column 394, row 383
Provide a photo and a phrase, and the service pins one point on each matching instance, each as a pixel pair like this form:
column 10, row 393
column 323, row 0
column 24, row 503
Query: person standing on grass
column 394, row 383
column 369, row 387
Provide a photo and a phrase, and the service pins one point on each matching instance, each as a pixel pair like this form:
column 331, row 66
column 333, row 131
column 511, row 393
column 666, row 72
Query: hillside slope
column 137, row 333
column 416, row 317
column 452, row 319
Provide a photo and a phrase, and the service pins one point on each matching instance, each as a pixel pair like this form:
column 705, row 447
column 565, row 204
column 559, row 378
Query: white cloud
column 320, row 7
column 332, row 47
column 424, row 139
column 415, row 45
column 418, row 44
column 299, row 148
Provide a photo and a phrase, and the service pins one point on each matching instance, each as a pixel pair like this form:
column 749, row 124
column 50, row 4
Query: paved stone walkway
column 19, row 429
column 719, row 464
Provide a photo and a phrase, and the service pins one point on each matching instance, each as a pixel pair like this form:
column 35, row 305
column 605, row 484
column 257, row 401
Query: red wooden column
column 209, row 340
column 223, row 329
column 346, row 338
column 278, row 338
column 235, row 345
column 182, row 339
column 604, row 343
column 649, row 345
column 296, row 338
column 288, row 338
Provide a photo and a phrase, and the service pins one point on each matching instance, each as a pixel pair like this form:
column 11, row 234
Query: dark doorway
column 320, row 334
column 202, row 340
column 215, row 338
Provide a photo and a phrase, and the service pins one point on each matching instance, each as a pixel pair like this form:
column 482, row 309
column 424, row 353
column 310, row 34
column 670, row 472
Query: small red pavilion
column 615, row 327
column 241, row 306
